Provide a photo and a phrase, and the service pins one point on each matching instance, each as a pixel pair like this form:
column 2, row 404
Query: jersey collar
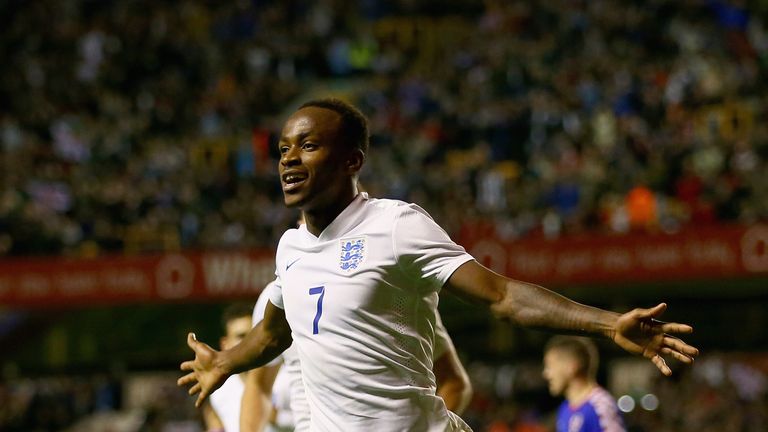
column 346, row 220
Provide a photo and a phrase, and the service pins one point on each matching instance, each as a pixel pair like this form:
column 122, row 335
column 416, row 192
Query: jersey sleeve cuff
column 448, row 270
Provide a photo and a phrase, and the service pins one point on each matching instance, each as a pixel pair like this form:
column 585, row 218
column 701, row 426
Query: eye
column 283, row 149
column 309, row 146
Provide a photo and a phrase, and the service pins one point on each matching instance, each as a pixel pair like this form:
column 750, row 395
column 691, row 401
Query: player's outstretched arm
column 638, row 331
column 210, row 368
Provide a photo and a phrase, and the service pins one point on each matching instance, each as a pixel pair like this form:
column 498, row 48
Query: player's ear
column 574, row 368
column 355, row 161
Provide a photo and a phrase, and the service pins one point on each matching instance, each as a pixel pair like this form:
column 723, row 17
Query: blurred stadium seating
column 135, row 131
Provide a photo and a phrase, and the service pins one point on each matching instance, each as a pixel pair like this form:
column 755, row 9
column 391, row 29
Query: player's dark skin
column 319, row 173
column 312, row 150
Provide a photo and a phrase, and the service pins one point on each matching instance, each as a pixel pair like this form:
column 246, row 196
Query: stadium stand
column 142, row 126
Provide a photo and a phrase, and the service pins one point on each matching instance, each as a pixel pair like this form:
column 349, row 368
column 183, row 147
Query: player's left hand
column 205, row 375
column 640, row 332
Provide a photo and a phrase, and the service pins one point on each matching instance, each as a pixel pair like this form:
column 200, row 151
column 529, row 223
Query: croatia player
column 570, row 367
column 358, row 290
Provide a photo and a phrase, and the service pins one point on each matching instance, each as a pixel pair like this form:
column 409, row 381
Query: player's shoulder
column 289, row 238
column 601, row 396
column 291, row 234
column 600, row 393
column 383, row 204
column 394, row 207
column 605, row 410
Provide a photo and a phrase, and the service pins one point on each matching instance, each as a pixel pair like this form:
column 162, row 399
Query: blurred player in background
column 266, row 401
column 267, row 409
column 570, row 368
column 223, row 411
column 358, row 288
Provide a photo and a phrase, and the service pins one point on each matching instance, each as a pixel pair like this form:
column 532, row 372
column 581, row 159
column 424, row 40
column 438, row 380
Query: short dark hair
column 235, row 311
column 353, row 123
column 583, row 350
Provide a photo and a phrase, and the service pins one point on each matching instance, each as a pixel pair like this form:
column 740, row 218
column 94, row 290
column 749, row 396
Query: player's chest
column 343, row 275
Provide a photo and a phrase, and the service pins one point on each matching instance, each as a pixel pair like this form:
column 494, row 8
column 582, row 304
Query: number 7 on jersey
column 315, row 291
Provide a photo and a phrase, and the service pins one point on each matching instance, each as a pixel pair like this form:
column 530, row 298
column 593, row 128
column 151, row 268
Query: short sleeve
column 424, row 250
column 442, row 341
column 261, row 303
column 276, row 293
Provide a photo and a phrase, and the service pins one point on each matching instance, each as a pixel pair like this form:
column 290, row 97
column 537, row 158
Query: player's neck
column 579, row 390
column 318, row 219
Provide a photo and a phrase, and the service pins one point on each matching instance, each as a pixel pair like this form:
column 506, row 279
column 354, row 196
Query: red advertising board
column 694, row 254
column 721, row 252
column 170, row 277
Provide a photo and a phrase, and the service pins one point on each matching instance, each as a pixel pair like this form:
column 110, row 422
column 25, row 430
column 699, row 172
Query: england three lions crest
column 352, row 253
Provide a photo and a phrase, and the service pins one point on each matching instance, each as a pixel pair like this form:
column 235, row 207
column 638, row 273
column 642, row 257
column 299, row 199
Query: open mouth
column 293, row 181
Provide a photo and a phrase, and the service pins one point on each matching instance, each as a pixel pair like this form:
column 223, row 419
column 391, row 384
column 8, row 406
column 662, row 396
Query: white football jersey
column 298, row 397
column 299, row 407
column 226, row 402
column 361, row 301
column 281, row 396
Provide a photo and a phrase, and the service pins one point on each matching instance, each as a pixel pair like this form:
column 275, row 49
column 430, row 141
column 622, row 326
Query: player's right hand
column 204, row 375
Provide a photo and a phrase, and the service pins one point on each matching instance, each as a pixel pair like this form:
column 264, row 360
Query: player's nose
column 290, row 157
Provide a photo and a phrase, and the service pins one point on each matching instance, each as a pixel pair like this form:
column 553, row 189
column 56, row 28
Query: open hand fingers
column 659, row 362
column 201, row 398
column 186, row 379
column 195, row 389
column 188, row 365
column 677, row 355
column 653, row 312
column 679, row 346
column 675, row 348
column 191, row 340
column 676, row 328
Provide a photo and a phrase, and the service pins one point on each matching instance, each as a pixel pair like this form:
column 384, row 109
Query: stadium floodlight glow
column 626, row 403
column 649, row 402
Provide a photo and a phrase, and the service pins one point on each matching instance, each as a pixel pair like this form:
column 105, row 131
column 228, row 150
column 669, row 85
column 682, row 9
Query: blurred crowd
column 143, row 126
column 721, row 393
column 137, row 402
column 53, row 403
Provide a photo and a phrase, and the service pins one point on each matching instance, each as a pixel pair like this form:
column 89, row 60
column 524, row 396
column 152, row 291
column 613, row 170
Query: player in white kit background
column 358, row 293
column 222, row 413
column 265, row 403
